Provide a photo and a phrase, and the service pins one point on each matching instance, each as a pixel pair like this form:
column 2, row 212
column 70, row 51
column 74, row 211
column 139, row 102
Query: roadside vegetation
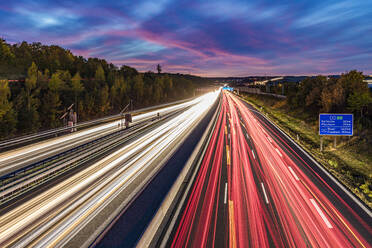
column 38, row 83
column 351, row 160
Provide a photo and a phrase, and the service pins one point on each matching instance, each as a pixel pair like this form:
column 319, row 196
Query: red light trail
column 250, row 191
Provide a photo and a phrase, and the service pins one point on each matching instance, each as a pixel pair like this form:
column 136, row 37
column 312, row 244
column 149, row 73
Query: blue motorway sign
column 228, row 88
column 336, row 124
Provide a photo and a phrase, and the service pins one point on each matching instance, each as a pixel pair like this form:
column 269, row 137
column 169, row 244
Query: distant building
column 368, row 80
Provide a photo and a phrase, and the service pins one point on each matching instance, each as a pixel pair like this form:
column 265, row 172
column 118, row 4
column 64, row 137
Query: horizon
column 208, row 39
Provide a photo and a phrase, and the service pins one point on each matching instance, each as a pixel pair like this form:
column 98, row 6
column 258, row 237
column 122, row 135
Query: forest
column 39, row 82
column 345, row 93
column 348, row 93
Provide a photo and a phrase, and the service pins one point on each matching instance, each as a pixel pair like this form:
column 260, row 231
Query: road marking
column 253, row 154
column 320, row 212
column 227, row 155
column 232, row 225
column 247, row 136
column 335, row 212
column 242, row 124
column 276, row 149
column 360, row 242
column 346, row 191
column 225, row 198
column 293, row 173
column 264, row 191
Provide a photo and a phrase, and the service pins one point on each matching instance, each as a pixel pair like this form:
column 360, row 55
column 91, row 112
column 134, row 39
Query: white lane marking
column 276, row 149
column 320, row 212
column 225, row 198
column 341, row 186
column 264, row 191
column 293, row 173
column 253, row 154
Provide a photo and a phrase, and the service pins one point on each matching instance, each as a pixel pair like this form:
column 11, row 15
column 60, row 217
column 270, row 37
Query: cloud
column 206, row 37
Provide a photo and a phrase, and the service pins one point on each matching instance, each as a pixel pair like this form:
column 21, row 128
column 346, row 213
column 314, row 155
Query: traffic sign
column 336, row 124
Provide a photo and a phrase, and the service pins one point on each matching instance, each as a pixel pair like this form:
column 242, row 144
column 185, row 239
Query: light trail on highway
column 56, row 215
column 253, row 190
column 21, row 157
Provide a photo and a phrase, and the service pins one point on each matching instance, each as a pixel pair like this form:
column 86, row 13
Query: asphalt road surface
column 57, row 215
column 126, row 230
column 256, row 188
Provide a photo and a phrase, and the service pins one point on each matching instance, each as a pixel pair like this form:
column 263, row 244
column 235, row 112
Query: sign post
column 335, row 125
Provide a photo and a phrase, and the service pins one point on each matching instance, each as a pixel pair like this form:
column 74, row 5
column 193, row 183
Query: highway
column 15, row 159
column 34, row 165
column 55, row 216
column 255, row 188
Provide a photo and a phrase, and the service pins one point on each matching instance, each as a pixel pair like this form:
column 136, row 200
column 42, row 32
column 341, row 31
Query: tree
column 27, row 111
column 51, row 100
column 309, row 94
column 157, row 94
column 118, row 93
column 8, row 119
column 100, row 75
column 89, row 102
column 326, row 99
column 104, row 100
column 27, row 102
column 168, row 85
column 332, row 96
column 42, row 98
column 359, row 102
column 352, row 82
column 158, row 89
column 32, row 76
column 6, row 54
column 138, row 87
column 158, row 68
column 128, row 72
column 56, row 83
column 51, row 104
column 5, row 106
column 65, row 76
column 338, row 97
column 111, row 77
column 76, row 86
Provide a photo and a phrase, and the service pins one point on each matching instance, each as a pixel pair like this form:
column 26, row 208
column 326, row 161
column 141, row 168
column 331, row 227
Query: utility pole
column 126, row 118
column 70, row 116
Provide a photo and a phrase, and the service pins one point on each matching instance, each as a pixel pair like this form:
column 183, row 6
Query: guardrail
column 7, row 144
column 163, row 222
column 25, row 179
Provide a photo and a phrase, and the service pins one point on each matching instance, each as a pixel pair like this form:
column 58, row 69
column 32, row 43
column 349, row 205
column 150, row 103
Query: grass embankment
column 350, row 162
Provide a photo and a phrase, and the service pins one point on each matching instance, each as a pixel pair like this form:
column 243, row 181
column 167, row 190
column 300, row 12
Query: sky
column 206, row 37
